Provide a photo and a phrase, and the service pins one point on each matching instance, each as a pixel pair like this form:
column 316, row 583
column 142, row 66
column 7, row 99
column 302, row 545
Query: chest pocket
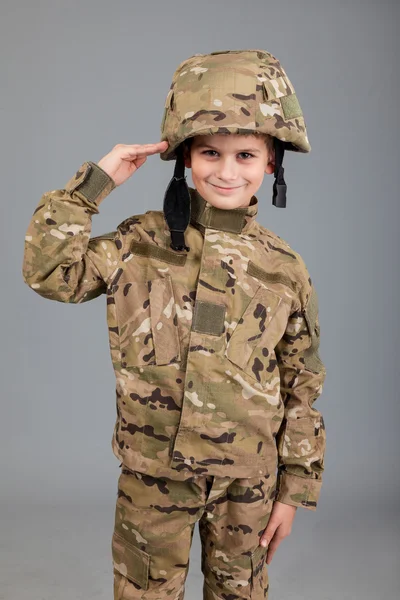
column 147, row 323
column 257, row 333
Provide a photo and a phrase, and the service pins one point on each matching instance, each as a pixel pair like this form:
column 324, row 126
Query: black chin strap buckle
column 178, row 241
column 279, row 187
column 279, row 191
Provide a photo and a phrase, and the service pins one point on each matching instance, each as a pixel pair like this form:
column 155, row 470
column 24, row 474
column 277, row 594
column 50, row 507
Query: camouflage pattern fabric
column 154, row 524
column 232, row 91
column 215, row 352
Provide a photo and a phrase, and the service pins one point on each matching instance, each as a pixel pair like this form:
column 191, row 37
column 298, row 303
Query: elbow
column 47, row 285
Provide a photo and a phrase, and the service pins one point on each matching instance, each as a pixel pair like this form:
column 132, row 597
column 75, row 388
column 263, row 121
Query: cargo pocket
column 147, row 323
column 131, row 562
column 257, row 332
column 259, row 575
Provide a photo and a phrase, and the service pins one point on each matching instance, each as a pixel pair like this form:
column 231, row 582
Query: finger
column 272, row 549
column 144, row 147
column 158, row 147
column 162, row 143
column 145, row 150
column 139, row 162
column 151, row 149
column 268, row 534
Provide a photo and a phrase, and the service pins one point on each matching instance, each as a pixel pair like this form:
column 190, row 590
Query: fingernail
column 263, row 543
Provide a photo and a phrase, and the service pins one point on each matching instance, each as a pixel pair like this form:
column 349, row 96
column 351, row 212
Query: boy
column 213, row 329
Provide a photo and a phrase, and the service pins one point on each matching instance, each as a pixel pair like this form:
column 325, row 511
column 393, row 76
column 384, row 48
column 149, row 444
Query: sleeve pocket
column 312, row 360
column 301, row 439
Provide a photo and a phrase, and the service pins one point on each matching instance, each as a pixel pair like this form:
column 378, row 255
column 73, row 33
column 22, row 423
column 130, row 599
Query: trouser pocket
column 154, row 520
column 131, row 562
column 259, row 575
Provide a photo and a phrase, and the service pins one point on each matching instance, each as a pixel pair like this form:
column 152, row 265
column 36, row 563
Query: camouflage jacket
column 215, row 351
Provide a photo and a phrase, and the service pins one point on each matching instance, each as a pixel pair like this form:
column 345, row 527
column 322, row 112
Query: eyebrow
column 254, row 150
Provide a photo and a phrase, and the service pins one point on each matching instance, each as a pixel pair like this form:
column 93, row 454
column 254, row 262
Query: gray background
column 78, row 78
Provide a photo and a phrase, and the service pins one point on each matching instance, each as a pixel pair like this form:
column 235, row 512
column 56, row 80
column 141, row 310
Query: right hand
column 124, row 159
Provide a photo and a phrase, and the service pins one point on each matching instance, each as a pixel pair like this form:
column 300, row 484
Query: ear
column 270, row 168
column 186, row 156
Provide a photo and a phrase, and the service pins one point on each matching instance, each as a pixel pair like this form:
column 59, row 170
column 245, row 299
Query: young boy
column 213, row 330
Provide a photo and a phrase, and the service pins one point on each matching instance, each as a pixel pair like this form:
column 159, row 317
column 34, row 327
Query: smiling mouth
column 226, row 188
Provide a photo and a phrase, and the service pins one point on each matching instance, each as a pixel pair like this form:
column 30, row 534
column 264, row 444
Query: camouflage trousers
column 154, row 524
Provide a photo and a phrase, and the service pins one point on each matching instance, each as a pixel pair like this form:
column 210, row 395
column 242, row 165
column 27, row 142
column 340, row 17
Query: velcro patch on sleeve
column 208, row 318
column 91, row 181
column 312, row 360
column 311, row 311
column 79, row 177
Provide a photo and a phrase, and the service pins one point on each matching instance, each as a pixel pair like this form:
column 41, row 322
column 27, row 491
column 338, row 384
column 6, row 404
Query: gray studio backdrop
column 78, row 78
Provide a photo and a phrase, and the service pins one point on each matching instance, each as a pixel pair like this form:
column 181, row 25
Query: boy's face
column 228, row 169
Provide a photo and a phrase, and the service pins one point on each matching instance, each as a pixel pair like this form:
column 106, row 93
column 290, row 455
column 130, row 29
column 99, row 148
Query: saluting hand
column 125, row 159
column 279, row 526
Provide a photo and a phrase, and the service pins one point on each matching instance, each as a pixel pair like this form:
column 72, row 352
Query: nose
column 227, row 169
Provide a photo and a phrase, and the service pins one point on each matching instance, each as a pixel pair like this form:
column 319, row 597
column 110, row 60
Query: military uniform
column 215, row 353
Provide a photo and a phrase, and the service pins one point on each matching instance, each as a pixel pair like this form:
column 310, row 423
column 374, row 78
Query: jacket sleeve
column 61, row 262
column 301, row 438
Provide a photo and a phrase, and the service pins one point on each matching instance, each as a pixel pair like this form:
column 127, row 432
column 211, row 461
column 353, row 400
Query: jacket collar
column 235, row 220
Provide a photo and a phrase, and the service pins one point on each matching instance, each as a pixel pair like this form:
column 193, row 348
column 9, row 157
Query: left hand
column 279, row 526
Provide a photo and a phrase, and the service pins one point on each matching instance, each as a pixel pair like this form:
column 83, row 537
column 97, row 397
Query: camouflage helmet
column 232, row 91
column 228, row 91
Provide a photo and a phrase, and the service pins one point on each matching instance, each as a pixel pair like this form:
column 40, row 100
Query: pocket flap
column 302, row 437
column 164, row 323
column 257, row 563
column 253, row 327
column 131, row 562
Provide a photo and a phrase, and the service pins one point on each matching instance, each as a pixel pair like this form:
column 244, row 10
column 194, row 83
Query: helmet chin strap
column 177, row 204
column 279, row 187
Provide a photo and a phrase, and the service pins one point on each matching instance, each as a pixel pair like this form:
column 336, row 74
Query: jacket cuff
column 92, row 182
column 298, row 491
